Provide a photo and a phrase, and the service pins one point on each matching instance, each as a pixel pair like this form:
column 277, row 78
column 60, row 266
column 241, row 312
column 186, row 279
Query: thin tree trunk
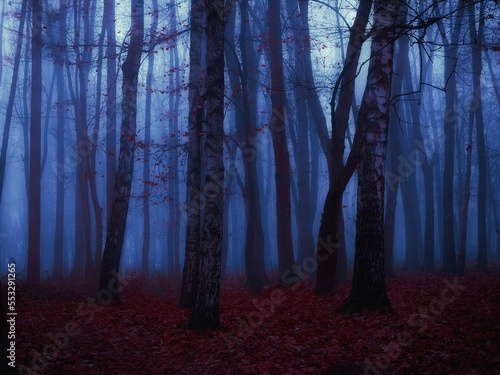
column 34, row 206
column 111, row 107
column 278, row 133
column 123, row 181
column 12, row 94
column 450, row 123
column 59, row 61
column 146, row 173
column 477, row 37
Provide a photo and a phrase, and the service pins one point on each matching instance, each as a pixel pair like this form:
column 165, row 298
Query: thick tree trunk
column 205, row 314
column 123, row 181
column 194, row 186
column 281, row 155
column 368, row 286
column 35, row 147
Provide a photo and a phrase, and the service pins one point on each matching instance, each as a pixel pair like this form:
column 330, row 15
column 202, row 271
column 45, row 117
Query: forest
column 250, row 187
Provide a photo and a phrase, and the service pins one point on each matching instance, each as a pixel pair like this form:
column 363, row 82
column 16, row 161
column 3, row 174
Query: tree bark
column 205, row 314
column 280, row 147
column 194, row 186
column 123, row 180
column 477, row 37
column 368, row 286
column 35, row 146
column 59, row 61
column 331, row 239
column 450, row 123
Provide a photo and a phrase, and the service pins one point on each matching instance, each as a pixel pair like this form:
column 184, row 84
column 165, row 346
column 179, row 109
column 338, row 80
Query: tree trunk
column 368, row 286
column 477, row 37
column 194, row 186
column 450, row 123
column 331, row 239
column 12, row 94
column 278, row 133
column 35, row 147
column 59, row 62
column 205, row 314
column 147, row 140
column 111, row 108
column 123, row 181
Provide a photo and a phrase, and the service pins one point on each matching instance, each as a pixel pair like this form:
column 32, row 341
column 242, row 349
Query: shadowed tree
column 123, row 180
column 205, row 314
column 450, row 122
column 35, row 146
column 331, row 239
column 280, row 147
column 195, row 118
column 368, row 285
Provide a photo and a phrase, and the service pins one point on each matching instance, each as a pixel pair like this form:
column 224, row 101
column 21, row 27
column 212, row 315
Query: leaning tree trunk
column 368, row 285
column 123, row 180
column 331, row 239
column 205, row 314
column 194, row 186
column 35, row 147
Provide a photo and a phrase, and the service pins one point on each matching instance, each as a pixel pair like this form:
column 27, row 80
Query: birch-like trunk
column 368, row 286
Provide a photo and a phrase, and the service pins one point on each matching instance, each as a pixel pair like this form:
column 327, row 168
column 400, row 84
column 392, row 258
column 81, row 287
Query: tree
column 12, row 93
column 205, row 314
column 111, row 110
column 280, row 147
column 477, row 47
column 450, row 123
column 59, row 62
column 123, row 180
column 34, row 206
column 243, row 77
column 147, row 141
column 368, row 286
column 331, row 239
column 194, row 186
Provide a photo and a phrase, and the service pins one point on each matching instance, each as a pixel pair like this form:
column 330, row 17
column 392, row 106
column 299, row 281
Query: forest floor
column 440, row 324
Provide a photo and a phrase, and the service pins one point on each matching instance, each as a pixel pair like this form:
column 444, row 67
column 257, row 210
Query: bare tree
column 123, row 180
column 194, row 186
column 205, row 314
column 368, row 285
column 35, row 145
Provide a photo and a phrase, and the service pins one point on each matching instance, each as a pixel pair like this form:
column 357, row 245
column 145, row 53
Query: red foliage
column 440, row 325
